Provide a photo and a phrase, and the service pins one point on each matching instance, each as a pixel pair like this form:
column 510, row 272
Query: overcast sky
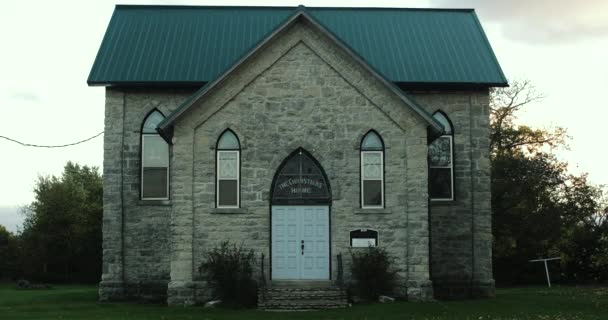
column 48, row 48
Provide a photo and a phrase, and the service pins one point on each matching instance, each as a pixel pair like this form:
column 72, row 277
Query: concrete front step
column 301, row 298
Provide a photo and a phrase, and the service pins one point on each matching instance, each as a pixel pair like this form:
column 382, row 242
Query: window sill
column 229, row 211
column 161, row 203
column 373, row 211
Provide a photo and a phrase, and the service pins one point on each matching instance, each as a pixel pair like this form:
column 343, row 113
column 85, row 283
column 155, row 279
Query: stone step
column 283, row 298
column 301, row 284
column 308, row 289
column 302, row 296
column 301, row 306
column 304, row 293
column 288, row 301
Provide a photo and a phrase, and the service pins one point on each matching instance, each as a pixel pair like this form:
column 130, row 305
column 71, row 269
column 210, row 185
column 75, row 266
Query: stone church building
column 304, row 134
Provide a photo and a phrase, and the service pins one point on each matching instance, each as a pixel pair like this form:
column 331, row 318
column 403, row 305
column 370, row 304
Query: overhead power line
column 51, row 146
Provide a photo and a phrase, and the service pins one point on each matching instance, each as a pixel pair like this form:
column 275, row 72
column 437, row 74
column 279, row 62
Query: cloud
column 11, row 218
column 543, row 21
column 27, row 96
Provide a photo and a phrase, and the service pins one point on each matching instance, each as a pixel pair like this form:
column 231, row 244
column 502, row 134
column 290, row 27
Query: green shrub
column 372, row 273
column 229, row 270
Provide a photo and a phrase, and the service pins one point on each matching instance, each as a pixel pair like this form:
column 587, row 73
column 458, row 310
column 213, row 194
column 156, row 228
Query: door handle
column 302, row 247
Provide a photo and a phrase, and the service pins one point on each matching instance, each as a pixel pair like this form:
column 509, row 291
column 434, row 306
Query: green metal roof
column 181, row 45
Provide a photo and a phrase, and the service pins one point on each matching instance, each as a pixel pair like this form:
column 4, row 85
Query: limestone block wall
column 461, row 235
column 136, row 233
column 301, row 91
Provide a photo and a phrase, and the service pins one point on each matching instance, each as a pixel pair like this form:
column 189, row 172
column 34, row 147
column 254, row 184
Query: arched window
column 228, row 170
column 372, row 171
column 154, row 160
column 441, row 164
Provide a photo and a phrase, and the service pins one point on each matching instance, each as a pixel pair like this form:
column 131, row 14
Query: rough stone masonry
column 300, row 90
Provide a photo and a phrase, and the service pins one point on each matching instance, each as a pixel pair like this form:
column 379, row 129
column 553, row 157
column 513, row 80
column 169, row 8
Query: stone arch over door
column 300, row 200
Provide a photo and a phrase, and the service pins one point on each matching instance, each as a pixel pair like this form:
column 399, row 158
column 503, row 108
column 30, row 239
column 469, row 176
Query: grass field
column 79, row 302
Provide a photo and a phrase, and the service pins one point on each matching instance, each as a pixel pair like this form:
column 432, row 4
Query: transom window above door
column 300, row 179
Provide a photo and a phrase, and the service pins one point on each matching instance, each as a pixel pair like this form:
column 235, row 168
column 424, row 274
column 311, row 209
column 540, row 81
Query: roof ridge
column 142, row 6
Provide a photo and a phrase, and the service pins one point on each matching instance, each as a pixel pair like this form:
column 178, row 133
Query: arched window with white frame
column 372, row 170
column 228, row 151
column 154, row 160
column 441, row 162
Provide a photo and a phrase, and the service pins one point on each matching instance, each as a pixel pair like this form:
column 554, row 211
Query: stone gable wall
column 300, row 91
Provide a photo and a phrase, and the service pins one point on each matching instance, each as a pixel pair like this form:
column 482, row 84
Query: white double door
column 300, row 242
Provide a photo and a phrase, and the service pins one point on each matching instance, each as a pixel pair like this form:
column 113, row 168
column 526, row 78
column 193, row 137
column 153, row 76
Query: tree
column 507, row 137
column 8, row 253
column 61, row 238
column 538, row 209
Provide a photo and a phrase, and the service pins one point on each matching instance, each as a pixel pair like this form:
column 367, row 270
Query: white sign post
column 546, row 268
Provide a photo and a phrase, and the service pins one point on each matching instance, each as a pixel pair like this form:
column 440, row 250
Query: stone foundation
column 144, row 291
column 111, row 291
column 465, row 289
column 420, row 291
column 483, row 289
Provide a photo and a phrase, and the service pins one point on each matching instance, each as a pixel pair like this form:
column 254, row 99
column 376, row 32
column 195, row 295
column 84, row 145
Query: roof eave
column 136, row 83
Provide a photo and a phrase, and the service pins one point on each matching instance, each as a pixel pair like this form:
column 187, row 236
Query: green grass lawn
column 80, row 302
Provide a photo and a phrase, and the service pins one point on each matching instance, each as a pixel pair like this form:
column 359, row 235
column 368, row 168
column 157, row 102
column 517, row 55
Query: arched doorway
column 299, row 214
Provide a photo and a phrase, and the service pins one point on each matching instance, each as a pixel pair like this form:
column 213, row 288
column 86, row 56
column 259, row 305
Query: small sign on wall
column 363, row 238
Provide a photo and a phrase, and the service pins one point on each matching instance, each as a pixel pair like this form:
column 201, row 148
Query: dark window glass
column 227, row 193
column 440, row 183
column 440, row 152
column 309, row 167
column 372, row 192
column 154, row 182
column 300, row 180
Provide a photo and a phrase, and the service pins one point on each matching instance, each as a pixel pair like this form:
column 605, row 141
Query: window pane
column 372, row 193
column 444, row 121
column 440, row 152
column 440, row 183
column 152, row 122
column 371, row 141
column 154, row 183
column 155, row 151
column 228, row 165
column 228, row 141
column 372, row 165
column 308, row 166
column 227, row 193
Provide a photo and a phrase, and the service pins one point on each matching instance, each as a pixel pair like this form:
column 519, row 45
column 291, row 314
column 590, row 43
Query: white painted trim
column 142, row 166
column 451, row 167
column 381, row 206
column 238, row 179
